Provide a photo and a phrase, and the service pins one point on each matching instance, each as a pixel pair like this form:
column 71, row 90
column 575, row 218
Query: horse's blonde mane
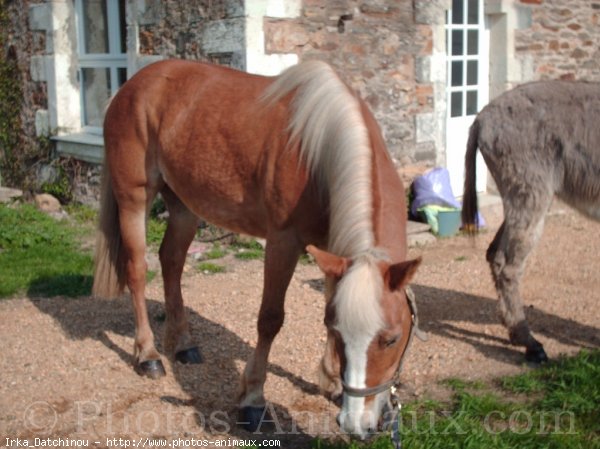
column 327, row 119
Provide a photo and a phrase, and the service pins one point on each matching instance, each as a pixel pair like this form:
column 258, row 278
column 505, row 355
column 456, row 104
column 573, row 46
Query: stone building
column 424, row 66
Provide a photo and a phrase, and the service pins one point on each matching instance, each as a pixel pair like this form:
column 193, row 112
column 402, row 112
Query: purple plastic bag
column 433, row 188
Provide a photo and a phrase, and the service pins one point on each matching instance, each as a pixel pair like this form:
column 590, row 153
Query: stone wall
column 375, row 46
column 203, row 30
column 19, row 46
column 563, row 41
column 23, row 44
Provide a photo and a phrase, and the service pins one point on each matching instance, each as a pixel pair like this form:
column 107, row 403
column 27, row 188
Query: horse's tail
column 469, row 206
column 109, row 269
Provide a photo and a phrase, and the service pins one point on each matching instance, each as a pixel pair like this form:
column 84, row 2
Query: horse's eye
column 387, row 342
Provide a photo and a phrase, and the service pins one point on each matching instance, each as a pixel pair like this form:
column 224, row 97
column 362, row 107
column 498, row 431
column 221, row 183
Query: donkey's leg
column 518, row 235
column 132, row 217
column 180, row 232
column 281, row 256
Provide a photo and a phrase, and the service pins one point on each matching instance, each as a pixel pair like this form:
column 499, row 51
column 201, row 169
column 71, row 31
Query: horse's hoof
column 253, row 418
column 536, row 355
column 190, row 355
column 153, row 369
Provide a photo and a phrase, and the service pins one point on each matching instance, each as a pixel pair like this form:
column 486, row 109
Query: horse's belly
column 240, row 218
column 221, row 200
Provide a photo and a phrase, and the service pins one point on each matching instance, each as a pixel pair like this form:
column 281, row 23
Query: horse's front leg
column 281, row 256
column 181, row 229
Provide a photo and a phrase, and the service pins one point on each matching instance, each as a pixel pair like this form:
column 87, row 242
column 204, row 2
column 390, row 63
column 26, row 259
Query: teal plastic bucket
column 448, row 222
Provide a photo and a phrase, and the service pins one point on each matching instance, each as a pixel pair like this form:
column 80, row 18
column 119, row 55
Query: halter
column 393, row 383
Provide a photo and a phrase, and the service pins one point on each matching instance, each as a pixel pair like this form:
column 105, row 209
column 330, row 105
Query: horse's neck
column 389, row 206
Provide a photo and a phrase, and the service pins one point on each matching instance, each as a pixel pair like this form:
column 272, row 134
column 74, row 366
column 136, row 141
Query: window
column 464, row 28
column 102, row 50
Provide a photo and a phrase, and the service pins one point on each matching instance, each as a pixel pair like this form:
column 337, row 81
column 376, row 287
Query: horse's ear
column 330, row 264
column 400, row 274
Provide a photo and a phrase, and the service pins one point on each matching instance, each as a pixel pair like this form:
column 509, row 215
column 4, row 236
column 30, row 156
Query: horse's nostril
column 338, row 420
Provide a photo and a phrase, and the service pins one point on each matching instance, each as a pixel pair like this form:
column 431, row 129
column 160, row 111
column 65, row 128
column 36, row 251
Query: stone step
column 416, row 227
column 420, row 239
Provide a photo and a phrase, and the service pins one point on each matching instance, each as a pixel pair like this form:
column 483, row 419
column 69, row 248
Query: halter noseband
column 393, row 384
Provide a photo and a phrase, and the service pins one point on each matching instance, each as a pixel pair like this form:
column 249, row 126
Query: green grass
column 41, row 256
column 216, row 252
column 82, row 214
column 155, row 231
column 248, row 249
column 554, row 407
column 249, row 254
column 306, row 259
column 210, row 268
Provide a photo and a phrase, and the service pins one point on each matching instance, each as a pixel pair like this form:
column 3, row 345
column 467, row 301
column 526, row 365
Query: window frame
column 114, row 60
column 464, row 57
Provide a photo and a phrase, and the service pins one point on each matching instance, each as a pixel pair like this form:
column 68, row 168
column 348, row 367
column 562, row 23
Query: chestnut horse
column 538, row 140
column 297, row 159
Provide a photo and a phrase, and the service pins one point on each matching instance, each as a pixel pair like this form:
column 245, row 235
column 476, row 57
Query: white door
column 467, row 47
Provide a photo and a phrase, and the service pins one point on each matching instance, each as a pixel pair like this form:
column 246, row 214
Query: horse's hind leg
column 518, row 235
column 281, row 256
column 132, row 216
column 180, row 232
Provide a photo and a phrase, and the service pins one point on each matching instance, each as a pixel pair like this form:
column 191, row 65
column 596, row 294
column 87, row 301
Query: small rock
column 47, row 203
column 8, row 194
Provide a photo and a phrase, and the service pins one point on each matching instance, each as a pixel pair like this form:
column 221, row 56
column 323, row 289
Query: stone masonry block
column 431, row 12
column 37, row 68
column 284, row 36
column 425, row 125
column 40, row 17
column 42, row 122
column 223, row 36
column 149, row 12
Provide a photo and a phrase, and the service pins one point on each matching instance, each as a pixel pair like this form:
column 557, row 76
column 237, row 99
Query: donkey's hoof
column 253, row 418
column 153, row 369
column 536, row 355
column 190, row 355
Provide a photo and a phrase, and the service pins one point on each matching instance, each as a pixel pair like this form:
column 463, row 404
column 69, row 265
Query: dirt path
column 65, row 364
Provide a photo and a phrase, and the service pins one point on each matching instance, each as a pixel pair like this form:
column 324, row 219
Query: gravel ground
column 66, row 363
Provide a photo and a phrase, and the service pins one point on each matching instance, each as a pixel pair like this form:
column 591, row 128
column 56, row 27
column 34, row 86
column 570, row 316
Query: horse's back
column 205, row 131
column 169, row 93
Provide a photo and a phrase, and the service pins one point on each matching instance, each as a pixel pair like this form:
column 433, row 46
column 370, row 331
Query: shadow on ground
column 439, row 309
column 212, row 385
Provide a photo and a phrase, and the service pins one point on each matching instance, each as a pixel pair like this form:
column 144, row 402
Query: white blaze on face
column 359, row 319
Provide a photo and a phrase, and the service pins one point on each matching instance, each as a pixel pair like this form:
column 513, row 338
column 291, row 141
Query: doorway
column 467, row 50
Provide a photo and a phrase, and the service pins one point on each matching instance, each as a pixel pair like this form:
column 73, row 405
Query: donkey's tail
column 469, row 206
column 109, row 269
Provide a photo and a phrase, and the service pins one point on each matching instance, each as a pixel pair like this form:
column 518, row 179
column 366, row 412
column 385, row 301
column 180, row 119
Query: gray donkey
column 538, row 140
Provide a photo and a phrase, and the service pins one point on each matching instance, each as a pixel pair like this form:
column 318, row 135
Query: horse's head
column 369, row 322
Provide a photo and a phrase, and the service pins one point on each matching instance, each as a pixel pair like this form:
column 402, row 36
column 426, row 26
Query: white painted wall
column 256, row 60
